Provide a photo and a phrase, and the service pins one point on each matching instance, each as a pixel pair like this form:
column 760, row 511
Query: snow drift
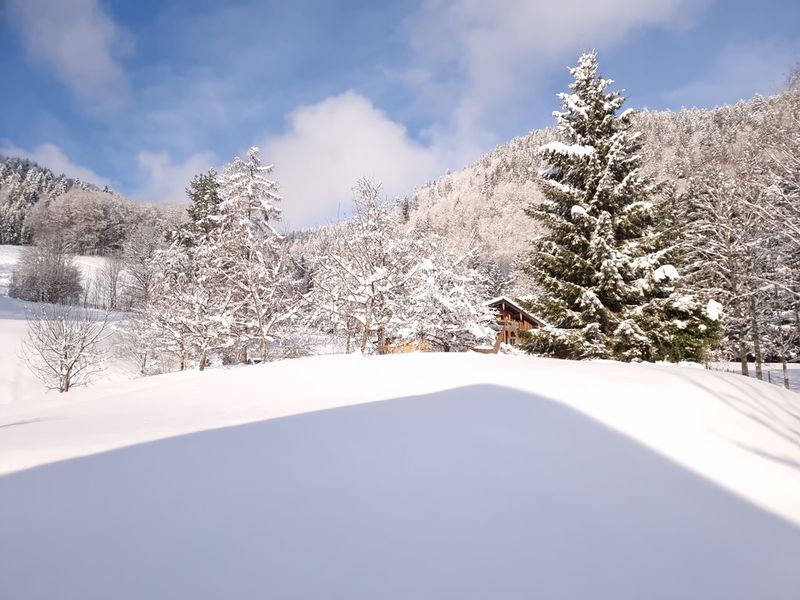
column 413, row 476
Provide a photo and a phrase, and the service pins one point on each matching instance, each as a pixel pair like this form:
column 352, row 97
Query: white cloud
column 51, row 156
column 469, row 62
column 80, row 42
column 472, row 59
column 165, row 181
column 329, row 145
column 738, row 73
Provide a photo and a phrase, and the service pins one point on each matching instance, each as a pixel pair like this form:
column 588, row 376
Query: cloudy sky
column 142, row 95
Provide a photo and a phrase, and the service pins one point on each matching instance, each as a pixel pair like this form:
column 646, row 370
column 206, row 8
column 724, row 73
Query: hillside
column 36, row 201
column 18, row 385
column 23, row 183
column 481, row 476
column 484, row 203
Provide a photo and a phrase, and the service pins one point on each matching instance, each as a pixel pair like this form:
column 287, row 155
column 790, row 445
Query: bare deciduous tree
column 45, row 273
column 64, row 345
column 108, row 283
column 138, row 258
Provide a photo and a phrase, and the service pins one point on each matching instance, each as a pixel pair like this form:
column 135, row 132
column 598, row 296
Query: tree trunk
column 785, row 372
column 797, row 321
column 743, row 356
column 365, row 336
column 264, row 350
column 243, row 354
column 202, row 363
column 381, row 341
column 756, row 338
column 736, row 303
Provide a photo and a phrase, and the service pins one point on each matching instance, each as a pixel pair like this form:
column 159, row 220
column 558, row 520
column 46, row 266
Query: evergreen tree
column 203, row 192
column 605, row 285
column 249, row 197
column 248, row 256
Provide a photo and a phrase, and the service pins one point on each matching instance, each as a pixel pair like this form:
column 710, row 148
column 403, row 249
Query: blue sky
column 142, row 94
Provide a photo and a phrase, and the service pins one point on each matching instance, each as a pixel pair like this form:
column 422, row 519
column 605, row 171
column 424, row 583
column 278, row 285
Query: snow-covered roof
column 517, row 308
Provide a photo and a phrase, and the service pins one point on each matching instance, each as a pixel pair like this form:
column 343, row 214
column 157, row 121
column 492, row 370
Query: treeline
column 229, row 288
column 725, row 186
column 35, row 204
column 23, row 183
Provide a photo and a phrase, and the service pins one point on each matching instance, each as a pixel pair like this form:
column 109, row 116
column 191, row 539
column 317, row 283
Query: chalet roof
column 504, row 302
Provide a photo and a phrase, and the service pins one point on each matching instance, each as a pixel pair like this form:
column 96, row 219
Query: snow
column 405, row 476
column 577, row 210
column 772, row 372
column 666, row 272
column 686, row 303
column 89, row 266
column 568, row 149
column 18, row 385
column 9, row 256
column 713, row 310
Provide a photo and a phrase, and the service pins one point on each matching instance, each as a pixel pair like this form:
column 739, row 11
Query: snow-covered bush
column 45, row 273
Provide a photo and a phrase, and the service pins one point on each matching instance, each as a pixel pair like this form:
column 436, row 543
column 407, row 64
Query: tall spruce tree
column 203, row 210
column 606, row 286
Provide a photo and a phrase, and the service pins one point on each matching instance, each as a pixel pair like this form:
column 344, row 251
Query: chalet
column 511, row 319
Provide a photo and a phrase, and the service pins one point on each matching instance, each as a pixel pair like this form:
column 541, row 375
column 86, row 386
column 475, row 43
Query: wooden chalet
column 511, row 319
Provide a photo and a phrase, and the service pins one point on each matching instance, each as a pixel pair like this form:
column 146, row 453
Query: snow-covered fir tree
column 248, row 256
column 606, row 286
column 226, row 283
column 204, row 208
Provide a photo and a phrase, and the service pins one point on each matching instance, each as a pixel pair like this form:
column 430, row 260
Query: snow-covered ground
column 772, row 372
column 9, row 256
column 89, row 266
column 406, row 476
column 17, row 383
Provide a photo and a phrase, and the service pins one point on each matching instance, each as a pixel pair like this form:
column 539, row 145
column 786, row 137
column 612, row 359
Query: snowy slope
column 9, row 256
column 17, row 383
column 407, row 476
column 89, row 266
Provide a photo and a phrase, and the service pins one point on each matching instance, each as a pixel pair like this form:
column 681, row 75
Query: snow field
column 420, row 475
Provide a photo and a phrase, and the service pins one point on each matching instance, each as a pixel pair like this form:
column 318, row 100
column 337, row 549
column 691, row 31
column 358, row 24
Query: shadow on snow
column 478, row 492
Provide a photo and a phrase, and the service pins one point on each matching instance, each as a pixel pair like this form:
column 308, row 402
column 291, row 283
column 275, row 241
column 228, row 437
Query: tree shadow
column 479, row 492
column 766, row 407
column 22, row 422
